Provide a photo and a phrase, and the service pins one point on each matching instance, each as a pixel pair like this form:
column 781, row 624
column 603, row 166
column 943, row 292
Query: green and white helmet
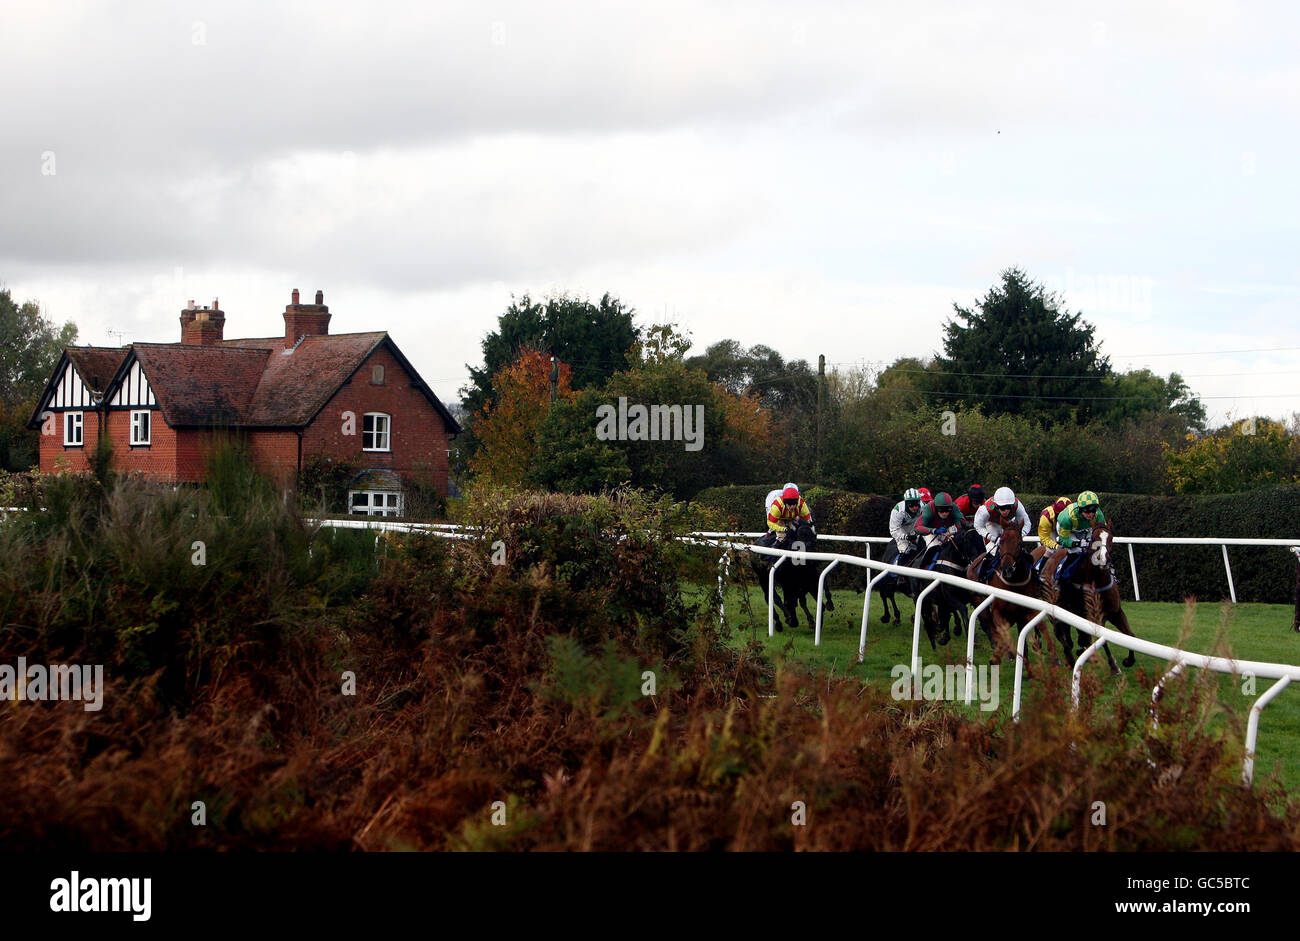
column 911, row 495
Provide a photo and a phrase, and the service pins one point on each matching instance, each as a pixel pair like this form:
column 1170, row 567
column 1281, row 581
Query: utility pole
column 555, row 378
column 821, row 381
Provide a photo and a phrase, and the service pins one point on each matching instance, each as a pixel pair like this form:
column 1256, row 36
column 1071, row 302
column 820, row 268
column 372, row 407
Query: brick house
column 295, row 398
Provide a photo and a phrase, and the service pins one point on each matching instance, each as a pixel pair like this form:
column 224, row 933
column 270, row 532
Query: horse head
column 801, row 534
column 1009, row 548
column 1099, row 543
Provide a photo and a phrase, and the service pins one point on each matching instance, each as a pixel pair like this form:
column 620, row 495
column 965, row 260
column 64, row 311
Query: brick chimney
column 202, row 326
column 305, row 320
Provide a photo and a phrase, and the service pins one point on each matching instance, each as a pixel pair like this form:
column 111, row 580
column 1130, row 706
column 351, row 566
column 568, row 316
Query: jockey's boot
column 1051, row 565
column 973, row 570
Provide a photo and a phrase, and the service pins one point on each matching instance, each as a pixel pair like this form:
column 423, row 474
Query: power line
column 1262, row 349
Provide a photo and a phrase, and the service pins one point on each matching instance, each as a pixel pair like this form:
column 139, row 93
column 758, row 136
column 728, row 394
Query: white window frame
column 74, row 421
column 375, row 436
column 136, row 440
column 377, row 503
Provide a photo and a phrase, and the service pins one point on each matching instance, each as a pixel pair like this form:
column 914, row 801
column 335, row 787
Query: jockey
column 926, row 498
column 1078, row 517
column 1071, row 522
column 773, row 495
column 1047, row 522
column 785, row 510
column 940, row 516
column 1000, row 511
column 969, row 502
column 902, row 524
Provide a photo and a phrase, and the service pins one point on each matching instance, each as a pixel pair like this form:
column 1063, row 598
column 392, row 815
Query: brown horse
column 1092, row 591
column 1014, row 573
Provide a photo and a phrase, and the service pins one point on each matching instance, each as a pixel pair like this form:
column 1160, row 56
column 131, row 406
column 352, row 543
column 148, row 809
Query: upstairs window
column 140, row 422
column 375, row 432
column 73, row 425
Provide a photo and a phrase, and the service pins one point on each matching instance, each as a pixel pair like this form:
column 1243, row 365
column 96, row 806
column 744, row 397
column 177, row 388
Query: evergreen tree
column 1018, row 353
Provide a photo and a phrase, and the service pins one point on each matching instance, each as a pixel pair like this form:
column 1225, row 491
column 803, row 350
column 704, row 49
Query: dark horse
column 891, row 584
column 1089, row 589
column 797, row 579
column 957, row 551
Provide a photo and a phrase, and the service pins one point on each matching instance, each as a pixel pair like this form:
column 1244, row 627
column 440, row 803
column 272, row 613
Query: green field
column 1247, row 631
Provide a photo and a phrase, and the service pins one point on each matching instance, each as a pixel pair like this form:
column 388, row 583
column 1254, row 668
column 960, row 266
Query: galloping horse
column 1089, row 589
column 957, row 551
column 891, row 584
column 796, row 578
column 1014, row 572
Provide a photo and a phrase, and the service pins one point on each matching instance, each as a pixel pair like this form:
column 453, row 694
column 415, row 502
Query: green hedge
column 1165, row 573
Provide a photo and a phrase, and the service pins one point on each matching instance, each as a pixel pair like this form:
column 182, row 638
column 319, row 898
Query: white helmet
column 1004, row 497
column 911, row 495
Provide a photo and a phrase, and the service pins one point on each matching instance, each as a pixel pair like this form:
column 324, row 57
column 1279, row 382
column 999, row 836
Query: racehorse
column 1014, row 572
column 796, row 578
column 958, row 550
column 892, row 584
column 1090, row 590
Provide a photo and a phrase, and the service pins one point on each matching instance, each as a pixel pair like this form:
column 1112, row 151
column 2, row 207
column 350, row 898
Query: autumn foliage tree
column 509, row 426
column 1242, row 455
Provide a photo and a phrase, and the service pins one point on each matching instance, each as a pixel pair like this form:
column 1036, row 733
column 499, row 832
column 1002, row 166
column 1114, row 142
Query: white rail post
column 1020, row 661
column 866, row 610
column 722, row 604
column 1232, row 591
column 1159, row 688
column 1252, row 728
column 1133, row 567
column 821, row 588
column 1078, row 671
column 916, row 626
column 771, row 595
column 970, row 644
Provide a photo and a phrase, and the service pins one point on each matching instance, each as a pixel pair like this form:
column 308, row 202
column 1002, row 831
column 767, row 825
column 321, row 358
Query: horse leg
column 1065, row 639
column 1116, row 616
column 884, row 600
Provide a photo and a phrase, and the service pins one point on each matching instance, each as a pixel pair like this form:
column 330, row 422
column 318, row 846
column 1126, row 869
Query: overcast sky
column 822, row 178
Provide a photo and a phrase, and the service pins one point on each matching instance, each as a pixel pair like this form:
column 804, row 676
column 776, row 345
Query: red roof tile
column 256, row 381
column 298, row 382
column 96, row 364
column 201, row 385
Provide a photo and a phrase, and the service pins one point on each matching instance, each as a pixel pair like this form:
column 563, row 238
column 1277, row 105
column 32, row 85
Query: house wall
column 419, row 439
column 276, row 453
column 54, row 455
column 157, row 459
